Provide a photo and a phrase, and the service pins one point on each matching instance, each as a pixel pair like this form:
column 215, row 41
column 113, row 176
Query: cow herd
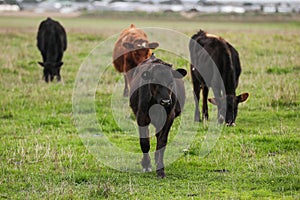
column 155, row 89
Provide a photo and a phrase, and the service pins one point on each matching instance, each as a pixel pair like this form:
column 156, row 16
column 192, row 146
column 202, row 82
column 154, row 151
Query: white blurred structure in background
column 202, row 6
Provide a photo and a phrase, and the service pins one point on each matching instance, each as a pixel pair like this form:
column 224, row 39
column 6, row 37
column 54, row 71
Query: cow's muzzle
column 166, row 102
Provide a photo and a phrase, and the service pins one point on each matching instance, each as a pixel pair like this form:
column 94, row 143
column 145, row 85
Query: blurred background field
column 42, row 156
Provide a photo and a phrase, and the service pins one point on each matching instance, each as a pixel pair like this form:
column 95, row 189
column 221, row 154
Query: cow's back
column 205, row 52
column 51, row 37
column 214, row 51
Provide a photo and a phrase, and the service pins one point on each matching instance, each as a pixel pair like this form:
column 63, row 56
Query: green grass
column 43, row 157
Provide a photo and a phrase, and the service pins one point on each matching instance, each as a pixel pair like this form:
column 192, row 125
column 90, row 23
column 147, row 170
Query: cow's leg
column 162, row 139
column 46, row 77
column 218, row 96
column 128, row 78
column 204, row 103
column 126, row 91
column 145, row 147
column 58, row 78
column 59, row 58
column 125, row 69
column 197, row 88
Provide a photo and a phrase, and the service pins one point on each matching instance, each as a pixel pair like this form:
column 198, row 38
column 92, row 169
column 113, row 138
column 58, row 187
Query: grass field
column 43, row 157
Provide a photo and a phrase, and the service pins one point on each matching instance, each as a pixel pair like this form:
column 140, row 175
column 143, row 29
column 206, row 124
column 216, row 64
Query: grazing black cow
column 52, row 42
column 157, row 96
column 207, row 51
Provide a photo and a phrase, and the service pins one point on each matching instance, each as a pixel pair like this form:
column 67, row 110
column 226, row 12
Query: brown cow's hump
column 212, row 36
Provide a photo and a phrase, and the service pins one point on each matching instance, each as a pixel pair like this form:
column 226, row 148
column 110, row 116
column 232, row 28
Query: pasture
column 43, row 157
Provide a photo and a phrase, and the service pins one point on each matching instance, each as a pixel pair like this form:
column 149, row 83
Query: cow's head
column 162, row 83
column 51, row 69
column 140, row 49
column 228, row 108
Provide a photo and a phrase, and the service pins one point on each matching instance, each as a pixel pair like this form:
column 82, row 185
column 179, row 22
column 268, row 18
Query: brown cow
column 132, row 48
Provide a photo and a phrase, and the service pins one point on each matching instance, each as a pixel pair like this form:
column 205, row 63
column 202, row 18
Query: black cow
column 207, row 51
column 52, row 42
column 157, row 96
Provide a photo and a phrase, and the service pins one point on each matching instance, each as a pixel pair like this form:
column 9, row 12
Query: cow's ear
column 213, row 101
column 128, row 45
column 146, row 75
column 179, row 73
column 153, row 45
column 42, row 64
column 242, row 97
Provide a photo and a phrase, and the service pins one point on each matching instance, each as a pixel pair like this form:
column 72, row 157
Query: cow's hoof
column 205, row 118
column 146, row 163
column 230, row 124
column 160, row 173
column 205, row 122
column 148, row 169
